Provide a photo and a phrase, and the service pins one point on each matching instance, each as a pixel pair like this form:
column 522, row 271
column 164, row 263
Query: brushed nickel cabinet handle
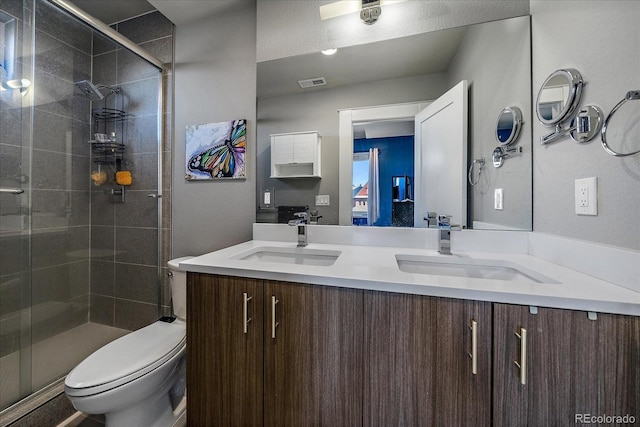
column 245, row 312
column 474, row 347
column 523, row 355
column 274, row 324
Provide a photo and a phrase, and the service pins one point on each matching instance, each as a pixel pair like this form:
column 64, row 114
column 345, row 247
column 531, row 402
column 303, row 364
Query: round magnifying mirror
column 559, row 96
column 508, row 125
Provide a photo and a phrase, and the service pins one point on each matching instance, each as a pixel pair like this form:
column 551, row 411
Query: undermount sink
column 469, row 267
column 295, row 255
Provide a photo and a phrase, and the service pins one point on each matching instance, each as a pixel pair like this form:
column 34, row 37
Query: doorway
column 376, row 119
column 396, row 159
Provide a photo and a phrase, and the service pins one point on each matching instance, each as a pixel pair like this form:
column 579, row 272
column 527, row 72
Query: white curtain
column 373, row 202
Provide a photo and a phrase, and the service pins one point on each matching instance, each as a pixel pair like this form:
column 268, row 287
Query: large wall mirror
column 493, row 57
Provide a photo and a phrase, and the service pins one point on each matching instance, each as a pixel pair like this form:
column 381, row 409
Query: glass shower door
column 15, row 197
column 79, row 261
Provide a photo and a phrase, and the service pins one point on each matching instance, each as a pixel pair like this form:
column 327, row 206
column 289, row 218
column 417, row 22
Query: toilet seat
column 127, row 358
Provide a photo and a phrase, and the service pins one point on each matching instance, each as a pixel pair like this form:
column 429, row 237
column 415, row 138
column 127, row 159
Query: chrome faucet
column 432, row 219
column 301, row 223
column 445, row 226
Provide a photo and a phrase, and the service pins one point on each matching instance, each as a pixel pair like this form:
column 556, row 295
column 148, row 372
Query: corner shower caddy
column 109, row 127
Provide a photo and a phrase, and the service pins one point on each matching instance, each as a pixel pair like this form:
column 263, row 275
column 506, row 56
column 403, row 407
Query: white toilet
column 138, row 379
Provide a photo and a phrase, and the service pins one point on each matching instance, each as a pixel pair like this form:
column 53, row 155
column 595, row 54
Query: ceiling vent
column 318, row 81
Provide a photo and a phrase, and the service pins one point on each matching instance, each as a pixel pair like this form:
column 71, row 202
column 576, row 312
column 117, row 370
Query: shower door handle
column 12, row 190
column 154, row 196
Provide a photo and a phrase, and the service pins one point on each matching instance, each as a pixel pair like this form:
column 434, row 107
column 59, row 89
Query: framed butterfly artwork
column 216, row 150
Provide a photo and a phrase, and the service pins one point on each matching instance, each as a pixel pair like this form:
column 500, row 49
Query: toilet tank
column 178, row 282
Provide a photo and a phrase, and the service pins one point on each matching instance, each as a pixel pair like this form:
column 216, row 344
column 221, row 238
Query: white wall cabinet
column 296, row 155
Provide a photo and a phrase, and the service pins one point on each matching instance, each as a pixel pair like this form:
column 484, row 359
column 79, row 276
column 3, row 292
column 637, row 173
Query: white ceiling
column 179, row 12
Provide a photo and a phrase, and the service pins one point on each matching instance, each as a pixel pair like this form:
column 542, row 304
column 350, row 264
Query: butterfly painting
column 216, row 150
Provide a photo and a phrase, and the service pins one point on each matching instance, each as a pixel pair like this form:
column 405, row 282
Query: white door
column 441, row 157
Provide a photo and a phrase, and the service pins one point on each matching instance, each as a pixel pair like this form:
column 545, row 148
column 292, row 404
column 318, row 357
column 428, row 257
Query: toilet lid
column 128, row 357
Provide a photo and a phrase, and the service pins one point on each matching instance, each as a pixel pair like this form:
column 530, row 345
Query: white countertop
column 375, row 268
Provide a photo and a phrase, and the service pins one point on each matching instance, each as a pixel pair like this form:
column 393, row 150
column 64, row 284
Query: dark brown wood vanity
column 273, row 353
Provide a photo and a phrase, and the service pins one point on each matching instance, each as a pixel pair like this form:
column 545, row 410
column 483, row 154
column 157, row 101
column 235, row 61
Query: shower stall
column 82, row 125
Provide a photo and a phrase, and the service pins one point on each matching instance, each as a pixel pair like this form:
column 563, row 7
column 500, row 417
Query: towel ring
column 634, row 94
column 480, row 163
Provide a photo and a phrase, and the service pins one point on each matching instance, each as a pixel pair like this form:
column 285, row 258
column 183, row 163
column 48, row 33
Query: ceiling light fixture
column 369, row 10
column 329, row 52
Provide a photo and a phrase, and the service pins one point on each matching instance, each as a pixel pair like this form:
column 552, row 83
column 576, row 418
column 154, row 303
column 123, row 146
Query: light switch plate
column 322, row 200
column 586, row 196
column 498, row 201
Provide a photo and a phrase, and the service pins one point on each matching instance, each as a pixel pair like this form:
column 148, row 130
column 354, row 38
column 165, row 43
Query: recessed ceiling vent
column 318, row 81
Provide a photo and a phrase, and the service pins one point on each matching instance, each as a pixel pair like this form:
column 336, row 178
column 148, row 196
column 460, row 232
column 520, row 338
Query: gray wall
column 318, row 110
column 504, row 80
column 601, row 39
column 215, row 81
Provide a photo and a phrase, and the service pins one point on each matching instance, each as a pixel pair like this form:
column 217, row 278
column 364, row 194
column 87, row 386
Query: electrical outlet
column 586, row 196
column 267, row 201
column 498, row 199
column 322, row 200
column 583, row 196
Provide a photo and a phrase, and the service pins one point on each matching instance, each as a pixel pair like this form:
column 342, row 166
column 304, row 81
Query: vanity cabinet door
column 399, row 375
column 224, row 363
column 463, row 398
column 573, row 366
column 559, row 373
column 313, row 358
column 417, row 368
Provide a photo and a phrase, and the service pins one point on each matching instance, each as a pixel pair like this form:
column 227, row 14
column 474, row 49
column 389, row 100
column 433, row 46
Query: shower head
column 90, row 90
